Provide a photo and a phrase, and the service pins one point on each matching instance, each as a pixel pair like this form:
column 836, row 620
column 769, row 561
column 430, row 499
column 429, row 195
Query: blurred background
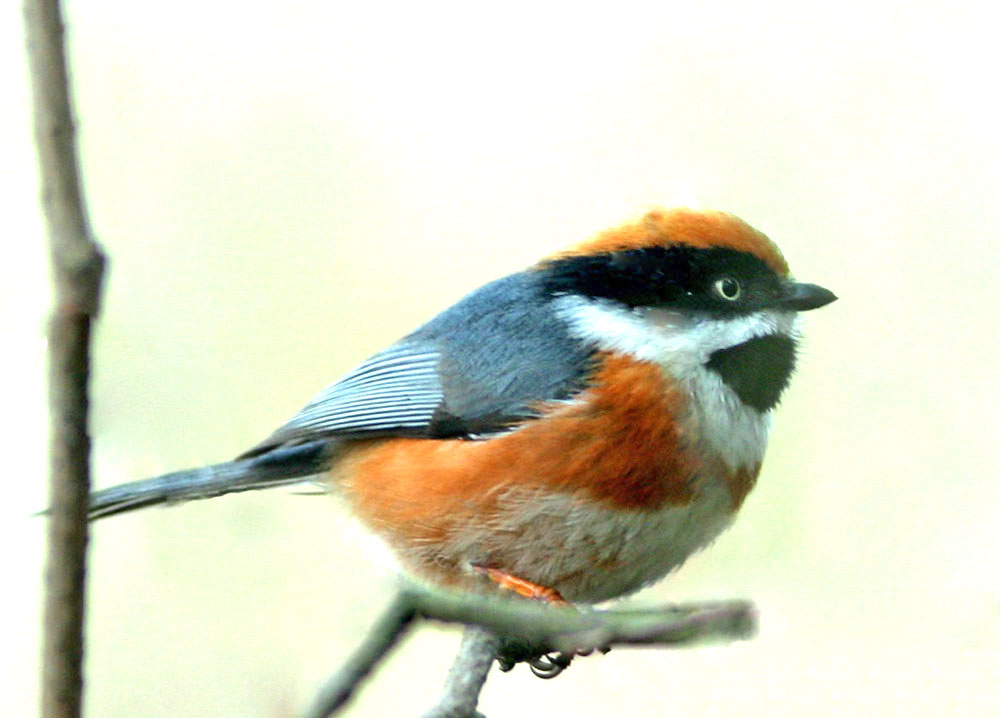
column 285, row 188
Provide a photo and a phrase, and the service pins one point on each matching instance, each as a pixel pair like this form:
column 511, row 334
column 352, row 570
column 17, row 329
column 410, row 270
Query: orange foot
column 546, row 665
column 522, row 587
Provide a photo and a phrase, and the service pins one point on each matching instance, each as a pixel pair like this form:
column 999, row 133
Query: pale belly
column 589, row 553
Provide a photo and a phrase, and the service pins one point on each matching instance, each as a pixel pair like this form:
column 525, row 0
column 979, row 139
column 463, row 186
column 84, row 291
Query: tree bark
column 77, row 271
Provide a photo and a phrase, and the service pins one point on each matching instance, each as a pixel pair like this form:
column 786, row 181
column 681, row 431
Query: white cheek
column 666, row 320
column 681, row 343
column 665, row 336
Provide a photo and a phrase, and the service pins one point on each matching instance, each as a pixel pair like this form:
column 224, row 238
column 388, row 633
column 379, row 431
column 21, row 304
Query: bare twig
column 467, row 675
column 527, row 629
column 392, row 624
column 568, row 629
column 77, row 271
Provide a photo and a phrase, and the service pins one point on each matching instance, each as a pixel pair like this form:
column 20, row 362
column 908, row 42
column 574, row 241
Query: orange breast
column 617, row 446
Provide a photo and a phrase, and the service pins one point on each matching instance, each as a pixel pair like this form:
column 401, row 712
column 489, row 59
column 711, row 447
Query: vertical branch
column 77, row 269
column 467, row 675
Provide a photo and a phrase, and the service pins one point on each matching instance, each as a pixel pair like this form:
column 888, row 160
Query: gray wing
column 396, row 389
column 475, row 369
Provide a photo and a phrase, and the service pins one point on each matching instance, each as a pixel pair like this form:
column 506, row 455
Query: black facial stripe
column 677, row 276
column 758, row 370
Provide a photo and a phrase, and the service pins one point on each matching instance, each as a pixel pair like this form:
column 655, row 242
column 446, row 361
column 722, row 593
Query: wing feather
column 475, row 369
column 396, row 390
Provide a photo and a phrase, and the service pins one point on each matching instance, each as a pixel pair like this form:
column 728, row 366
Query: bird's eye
column 728, row 288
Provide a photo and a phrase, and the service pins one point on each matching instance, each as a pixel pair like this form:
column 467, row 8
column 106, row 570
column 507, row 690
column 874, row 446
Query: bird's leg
column 544, row 665
column 522, row 586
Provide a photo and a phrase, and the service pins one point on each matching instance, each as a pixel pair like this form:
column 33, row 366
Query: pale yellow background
column 284, row 188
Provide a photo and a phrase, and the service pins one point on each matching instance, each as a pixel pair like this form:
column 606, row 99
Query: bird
column 572, row 432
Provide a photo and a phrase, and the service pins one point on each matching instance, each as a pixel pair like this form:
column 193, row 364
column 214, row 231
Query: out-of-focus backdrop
column 284, row 188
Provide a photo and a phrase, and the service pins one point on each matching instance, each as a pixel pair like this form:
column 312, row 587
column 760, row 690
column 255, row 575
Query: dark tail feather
column 278, row 467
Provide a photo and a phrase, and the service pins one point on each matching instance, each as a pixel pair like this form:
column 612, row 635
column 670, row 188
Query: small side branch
column 77, row 265
column 518, row 630
column 339, row 689
column 467, row 675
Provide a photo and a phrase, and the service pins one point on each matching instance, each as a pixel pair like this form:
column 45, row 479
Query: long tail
column 278, row 467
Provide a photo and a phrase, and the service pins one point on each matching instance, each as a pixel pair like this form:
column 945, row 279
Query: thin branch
column 467, row 675
column 555, row 628
column 77, row 265
column 527, row 630
column 338, row 690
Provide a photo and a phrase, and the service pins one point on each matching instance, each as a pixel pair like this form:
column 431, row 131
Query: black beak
column 800, row 297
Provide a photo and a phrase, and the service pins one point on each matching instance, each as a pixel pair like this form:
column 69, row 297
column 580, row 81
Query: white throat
column 681, row 344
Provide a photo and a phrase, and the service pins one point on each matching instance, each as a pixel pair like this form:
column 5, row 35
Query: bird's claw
column 549, row 665
column 544, row 665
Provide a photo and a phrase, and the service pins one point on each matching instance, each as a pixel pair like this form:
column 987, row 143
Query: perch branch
column 529, row 629
column 77, row 269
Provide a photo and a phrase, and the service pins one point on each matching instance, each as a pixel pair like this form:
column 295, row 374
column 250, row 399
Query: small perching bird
column 571, row 432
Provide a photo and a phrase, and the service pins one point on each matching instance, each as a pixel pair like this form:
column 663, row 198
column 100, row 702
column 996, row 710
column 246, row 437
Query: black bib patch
column 758, row 370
